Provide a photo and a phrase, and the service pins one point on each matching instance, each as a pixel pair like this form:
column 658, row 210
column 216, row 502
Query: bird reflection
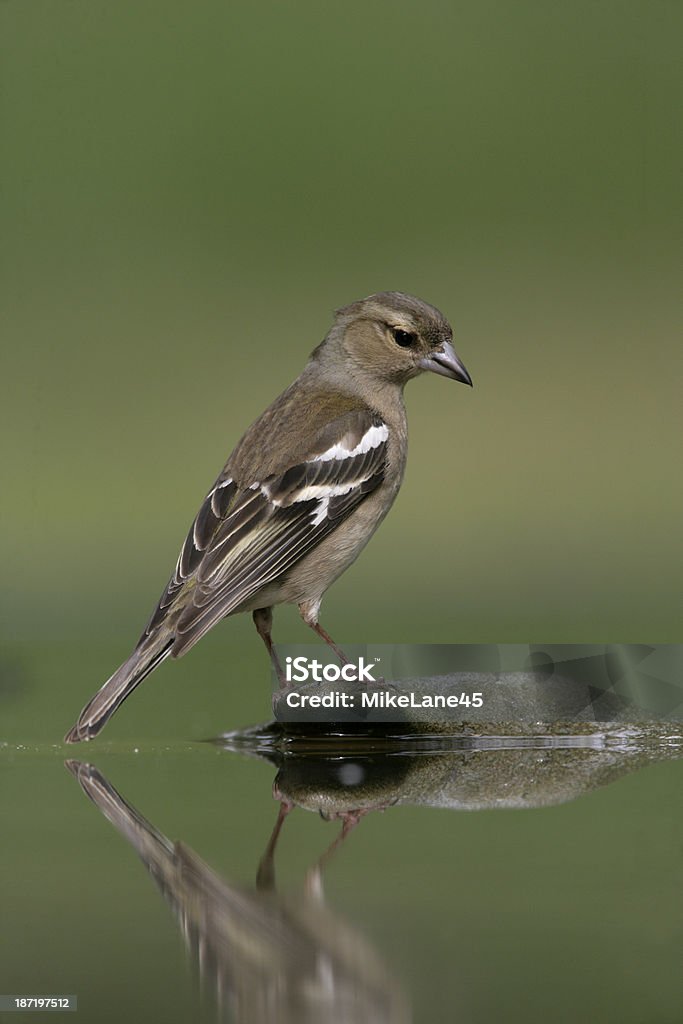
column 270, row 958
column 267, row 958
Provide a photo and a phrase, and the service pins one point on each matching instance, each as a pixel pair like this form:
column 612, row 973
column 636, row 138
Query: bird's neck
column 386, row 398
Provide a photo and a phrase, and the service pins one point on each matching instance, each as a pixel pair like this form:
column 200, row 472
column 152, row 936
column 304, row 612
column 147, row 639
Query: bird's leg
column 349, row 820
column 313, row 881
column 263, row 620
column 309, row 614
column 265, row 875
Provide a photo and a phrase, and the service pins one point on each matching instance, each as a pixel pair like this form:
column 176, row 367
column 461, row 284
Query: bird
column 302, row 492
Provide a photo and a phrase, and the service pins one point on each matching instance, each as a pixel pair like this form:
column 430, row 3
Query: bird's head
column 395, row 337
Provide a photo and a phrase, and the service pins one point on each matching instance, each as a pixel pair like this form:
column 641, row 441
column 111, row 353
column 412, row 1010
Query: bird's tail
column 97, row 712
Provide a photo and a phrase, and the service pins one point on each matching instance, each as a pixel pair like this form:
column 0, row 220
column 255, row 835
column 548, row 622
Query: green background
column 188, row 191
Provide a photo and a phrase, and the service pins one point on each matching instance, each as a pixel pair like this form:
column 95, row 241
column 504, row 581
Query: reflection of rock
column 509, row 703
column 334, row 775
column 268, row 958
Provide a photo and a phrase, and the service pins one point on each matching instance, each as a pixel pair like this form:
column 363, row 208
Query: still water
column 263, row 876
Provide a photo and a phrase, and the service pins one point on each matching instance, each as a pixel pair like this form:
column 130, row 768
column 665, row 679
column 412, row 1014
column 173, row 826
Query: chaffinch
column 301, row 494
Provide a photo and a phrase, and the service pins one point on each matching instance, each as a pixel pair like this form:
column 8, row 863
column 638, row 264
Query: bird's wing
column 245, row 537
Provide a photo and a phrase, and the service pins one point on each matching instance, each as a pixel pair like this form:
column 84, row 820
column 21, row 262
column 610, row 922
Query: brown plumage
column 301, row 494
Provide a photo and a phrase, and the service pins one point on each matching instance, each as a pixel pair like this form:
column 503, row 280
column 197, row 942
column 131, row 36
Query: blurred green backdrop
column 187, row 191
column 187, row 194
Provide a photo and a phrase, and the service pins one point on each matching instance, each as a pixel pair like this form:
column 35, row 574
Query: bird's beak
column 446, row 362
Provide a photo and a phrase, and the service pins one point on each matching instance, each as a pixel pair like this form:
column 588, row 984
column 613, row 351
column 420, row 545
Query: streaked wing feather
column 210, row 605
column 215, row 506
column 245, row 538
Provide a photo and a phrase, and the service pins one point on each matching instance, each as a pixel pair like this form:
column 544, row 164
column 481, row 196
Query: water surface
column 503, row 878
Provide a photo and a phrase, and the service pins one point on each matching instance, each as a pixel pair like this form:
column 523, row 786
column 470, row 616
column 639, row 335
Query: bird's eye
column 403, row 338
